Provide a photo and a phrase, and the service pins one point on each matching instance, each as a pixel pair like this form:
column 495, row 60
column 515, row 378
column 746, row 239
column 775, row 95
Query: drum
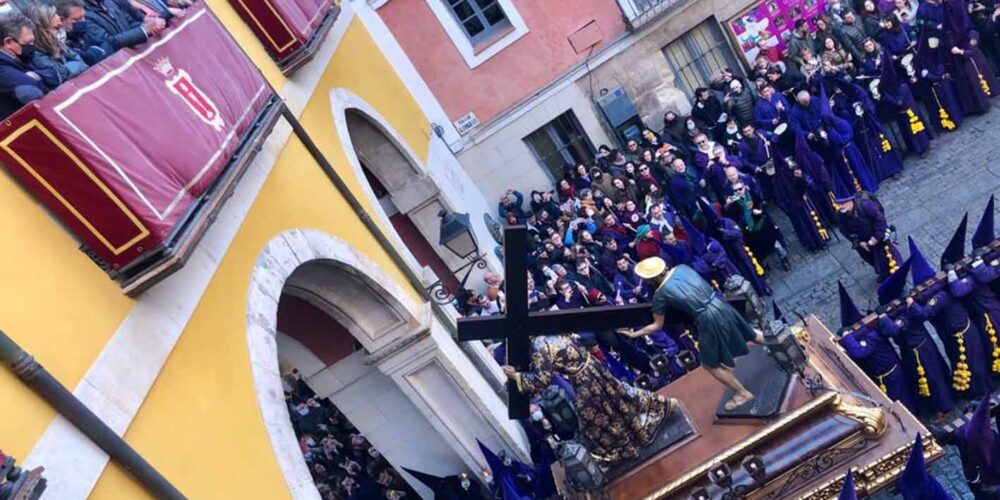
column 907, row 63
column 769, row 168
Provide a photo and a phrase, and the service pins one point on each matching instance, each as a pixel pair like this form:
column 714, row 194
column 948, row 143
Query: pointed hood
column 956, row 247
column 431, row 481
column 920, row 268
column 497, row 468
column 892, row 288
column 841, row 191
column 677, row 253
column 777, row 312
column 810, row 161
column 848, row 492
column 849, row 313
column 980, row 443
column 888, row 79
column 711, row 218
column 618, row 369
column 915, row 483
column 824, row 102
column 503, row 477
column 985, row 234
column 697, row 239
column 957, row 23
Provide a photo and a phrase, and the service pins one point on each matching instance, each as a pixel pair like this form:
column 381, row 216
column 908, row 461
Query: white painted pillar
column 441, row 381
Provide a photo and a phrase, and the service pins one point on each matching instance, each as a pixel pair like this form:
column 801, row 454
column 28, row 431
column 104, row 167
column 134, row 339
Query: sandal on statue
column 737, row 401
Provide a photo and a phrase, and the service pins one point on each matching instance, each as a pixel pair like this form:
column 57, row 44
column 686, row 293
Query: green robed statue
column 721, row 332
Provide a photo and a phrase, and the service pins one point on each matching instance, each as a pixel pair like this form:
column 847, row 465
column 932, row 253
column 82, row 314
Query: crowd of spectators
column 343, row 464
column 824, row 120
column 44, row 44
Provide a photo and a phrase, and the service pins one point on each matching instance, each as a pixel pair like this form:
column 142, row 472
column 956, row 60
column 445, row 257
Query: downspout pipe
column 387, row 245
column 72, row 409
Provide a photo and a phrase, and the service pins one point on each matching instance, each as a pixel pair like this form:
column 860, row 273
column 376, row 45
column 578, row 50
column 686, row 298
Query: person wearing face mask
column 51, row 51
column 75, row 28
column 20, row 81
column 114, row 25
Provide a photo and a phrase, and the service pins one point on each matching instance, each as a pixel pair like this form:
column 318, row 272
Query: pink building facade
column 534, row 44
column 531, row 86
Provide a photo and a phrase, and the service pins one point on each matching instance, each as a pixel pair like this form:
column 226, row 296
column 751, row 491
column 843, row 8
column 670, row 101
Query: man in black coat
column 708, row 110
column 73, row 17
column 114, row 24
column 20, row 83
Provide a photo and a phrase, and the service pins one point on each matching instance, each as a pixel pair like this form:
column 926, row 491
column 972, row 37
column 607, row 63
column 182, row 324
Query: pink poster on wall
column 772, row 21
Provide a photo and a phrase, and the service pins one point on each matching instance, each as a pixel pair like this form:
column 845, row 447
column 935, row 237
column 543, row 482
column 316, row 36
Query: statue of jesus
column 616, row 419
column 721, row 332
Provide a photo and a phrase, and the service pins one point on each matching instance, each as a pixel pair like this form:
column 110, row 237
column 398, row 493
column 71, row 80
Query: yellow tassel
column 961, row 377
column 893, row 266
column 916, row 126
column 756, row 265
column 836, row 206
column 923, row 386
column 886, row 145
column 881, row 381
column 854, row 179
column 687, row 333
column 823, row 234
column 946, row 122
column 992, row 332
column 982, row 81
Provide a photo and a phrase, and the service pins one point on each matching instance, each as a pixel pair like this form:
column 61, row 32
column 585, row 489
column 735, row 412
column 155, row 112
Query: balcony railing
column 291, row 30
column 136, row 156
column 639, row 13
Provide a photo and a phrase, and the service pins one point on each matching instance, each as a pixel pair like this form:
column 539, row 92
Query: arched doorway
column 387, row 364
column 408, row 197
column 353, row 423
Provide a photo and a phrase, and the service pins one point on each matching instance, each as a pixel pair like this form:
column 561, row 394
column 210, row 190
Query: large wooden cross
column 517, row 326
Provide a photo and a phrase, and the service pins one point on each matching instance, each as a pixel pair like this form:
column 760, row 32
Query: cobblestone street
column 927, row 202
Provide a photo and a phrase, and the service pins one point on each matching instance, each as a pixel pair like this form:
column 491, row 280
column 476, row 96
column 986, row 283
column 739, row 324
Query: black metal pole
column 52, row 391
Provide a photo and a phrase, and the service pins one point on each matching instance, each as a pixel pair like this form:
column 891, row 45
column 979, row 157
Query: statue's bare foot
column 739, row 400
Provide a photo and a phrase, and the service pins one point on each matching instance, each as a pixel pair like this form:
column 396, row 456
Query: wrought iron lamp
column 457, row 237
column 785, row 349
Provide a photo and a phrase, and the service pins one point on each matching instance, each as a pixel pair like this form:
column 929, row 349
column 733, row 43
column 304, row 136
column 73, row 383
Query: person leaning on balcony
column 20, row 82
column 51, row 50
column 159, row 8
column 114, row 24
column 74, row 21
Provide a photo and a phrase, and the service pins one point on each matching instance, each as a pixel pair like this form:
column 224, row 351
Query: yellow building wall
column 200, row 425
column 56, row 303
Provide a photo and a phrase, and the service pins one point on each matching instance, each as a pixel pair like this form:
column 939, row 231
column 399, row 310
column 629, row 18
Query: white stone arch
column 401, row 337
column 373, row 307
column 445, row 177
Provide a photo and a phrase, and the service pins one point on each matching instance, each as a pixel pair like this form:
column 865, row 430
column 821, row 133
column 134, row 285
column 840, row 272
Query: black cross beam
column 517, row 326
